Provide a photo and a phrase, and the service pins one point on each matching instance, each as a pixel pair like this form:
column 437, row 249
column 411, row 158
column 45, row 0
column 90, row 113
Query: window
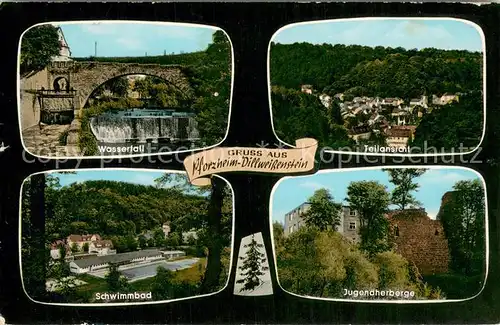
column 352, row 212
column 352, row 225
column 396, row 231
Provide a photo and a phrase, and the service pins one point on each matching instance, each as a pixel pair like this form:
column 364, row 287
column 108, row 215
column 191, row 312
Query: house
column 173, row 254
column 422, row 101
column 101, row 247
column 64, row 51
column 80, row 240
column 399, row 136
column 375, row 118
column 349, row 221
column 294, row 220
column 307, row 89
column 392, row 101
column 448, row 98
column 339, row 96
column 401, row 115
column 87, row 265
column 55, row 249
column 166, row 229
column 325, row 100
column 358, row 133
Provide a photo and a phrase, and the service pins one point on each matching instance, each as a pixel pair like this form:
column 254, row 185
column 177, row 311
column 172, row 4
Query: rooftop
column 116, row 258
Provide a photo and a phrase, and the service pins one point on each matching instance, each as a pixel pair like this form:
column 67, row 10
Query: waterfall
column 114, row 128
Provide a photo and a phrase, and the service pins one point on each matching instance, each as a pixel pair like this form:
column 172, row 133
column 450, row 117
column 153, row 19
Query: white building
column 81, row 240
column 399, row 136
column 307, row 89
column 166, row 229
column 173, row 254
column 325, row 100
column 102, row 247
column 124, row 259
column 186, row 235
column 55, row 249
column 349, row 221
column 65, row 51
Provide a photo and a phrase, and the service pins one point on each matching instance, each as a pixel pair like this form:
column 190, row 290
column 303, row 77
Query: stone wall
column 420, row 239
column 29, row 108
column 85, row 77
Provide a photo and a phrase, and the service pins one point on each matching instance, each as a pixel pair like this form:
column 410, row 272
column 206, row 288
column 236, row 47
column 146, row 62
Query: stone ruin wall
column 420, row 240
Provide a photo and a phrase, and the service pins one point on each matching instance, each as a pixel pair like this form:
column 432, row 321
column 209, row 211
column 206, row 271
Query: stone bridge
column 84, row 77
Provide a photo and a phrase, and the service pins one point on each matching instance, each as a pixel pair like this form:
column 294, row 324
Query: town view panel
column 395, row 234
column 397, row 86
column 119, row 236
column 118, row 88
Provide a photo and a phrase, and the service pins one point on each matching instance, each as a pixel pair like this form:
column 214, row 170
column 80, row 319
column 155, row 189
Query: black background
column 250, row 27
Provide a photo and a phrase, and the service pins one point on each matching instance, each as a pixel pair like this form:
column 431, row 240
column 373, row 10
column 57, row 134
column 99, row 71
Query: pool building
column 122, row 260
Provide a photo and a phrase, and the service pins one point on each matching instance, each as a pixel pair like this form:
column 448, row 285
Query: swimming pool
column 147, row 271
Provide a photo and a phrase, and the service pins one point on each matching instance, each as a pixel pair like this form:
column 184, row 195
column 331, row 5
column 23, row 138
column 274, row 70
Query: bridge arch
column 85, row 77
column 185, row 95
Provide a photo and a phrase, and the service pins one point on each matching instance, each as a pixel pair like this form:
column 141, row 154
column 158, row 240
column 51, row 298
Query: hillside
column 379, row 71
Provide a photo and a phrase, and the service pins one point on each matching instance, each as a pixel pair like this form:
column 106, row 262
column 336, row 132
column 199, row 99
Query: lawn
column 95, row 284
column 192, row 275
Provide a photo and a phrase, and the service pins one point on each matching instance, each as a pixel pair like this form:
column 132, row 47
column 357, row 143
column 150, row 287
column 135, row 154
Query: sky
column 444, row 34
column 134, row 39
column 293, row 191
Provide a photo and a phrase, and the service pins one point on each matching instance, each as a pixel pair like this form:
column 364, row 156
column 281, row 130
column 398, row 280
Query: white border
column 83, row 22
column 487, row 252
column 120, row 303
column 477, row 27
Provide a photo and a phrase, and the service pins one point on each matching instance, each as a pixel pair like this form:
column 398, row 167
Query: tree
column 322, row 264
column 75, row 248
column 115, row 281
column 212, row 86
column 403, row 180
column 252, row 268
column 174, row 239
column 191, row 240
column 86, row 247
column 142, row 241
column 323, row 211
column 278, row 235
column 453, row 126
column 118, row 86
column 159, row 237
column 131, row 243
column 463, row 219
column 216, row 223
column 38, row 45
column 162, row 287
column 371, row 200
column 62, row 251
column 34, row 254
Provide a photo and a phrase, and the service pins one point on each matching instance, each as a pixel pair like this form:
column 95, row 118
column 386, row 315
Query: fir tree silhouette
column 252, row 268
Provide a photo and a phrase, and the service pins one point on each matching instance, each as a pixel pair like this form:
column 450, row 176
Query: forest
column 383, row 72
column 123, row 213
column 317, row 260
